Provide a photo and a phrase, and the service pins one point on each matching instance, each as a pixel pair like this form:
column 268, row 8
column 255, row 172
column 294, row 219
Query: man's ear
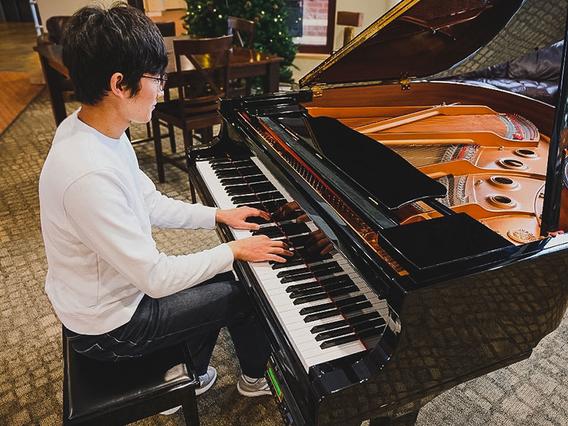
column 117, row 86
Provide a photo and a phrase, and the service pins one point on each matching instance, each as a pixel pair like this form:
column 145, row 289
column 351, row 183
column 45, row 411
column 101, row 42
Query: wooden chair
column 55, row 25
column 242, row 31
column 199, row 91
column 167, row 29
column 243, row 36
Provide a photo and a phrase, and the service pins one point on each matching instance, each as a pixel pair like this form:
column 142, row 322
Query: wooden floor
column 16, row 47
column 15, row 94
column 20, row 70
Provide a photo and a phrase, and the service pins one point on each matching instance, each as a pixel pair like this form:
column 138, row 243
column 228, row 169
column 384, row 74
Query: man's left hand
column 236, row 218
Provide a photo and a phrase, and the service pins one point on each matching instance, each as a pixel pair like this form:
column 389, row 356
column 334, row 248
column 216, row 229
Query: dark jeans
column 194, row 316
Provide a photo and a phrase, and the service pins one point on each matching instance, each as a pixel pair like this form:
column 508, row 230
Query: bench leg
column 190, row 413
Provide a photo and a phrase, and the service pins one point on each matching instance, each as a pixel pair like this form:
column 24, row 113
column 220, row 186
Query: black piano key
column 310, row 274
column 298, row 241
column 302, row 274
column 242, row 180
column 325, row 294
column 298, row 260
column 341, row 323
column 270, row 232
column 253, row 198
column 243, row 170
column 351, row 338
column 221, row 167
column 322, row 284
column 317, row 288
column 293, row 258
column 333, row 312
column 357, row 329
column 337, row 280
column 295, row 228
column 257, row 219
column 288, row 263
column 328, row 267
column 269, row 196
column 262, row 187
column 267, row 206
column 332, row 305
column 315, row 268
column 243, row 199
column 227, row 160
column 252, row 188
column 235, row 172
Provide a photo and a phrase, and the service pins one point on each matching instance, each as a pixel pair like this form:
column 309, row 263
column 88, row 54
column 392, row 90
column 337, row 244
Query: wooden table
column 244, row 63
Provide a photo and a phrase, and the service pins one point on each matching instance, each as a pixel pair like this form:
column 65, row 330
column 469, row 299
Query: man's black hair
column 98, row 42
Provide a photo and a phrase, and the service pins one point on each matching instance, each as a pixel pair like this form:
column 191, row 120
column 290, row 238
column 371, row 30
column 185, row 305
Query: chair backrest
column 242, row 31
column 55, row 26
column 167, row 29
column 210, row 58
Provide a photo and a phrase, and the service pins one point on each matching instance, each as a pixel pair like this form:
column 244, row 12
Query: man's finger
column 276, row 258
column 263, row 214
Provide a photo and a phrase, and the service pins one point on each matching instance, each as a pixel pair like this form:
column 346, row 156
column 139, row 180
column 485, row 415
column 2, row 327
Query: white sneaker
column 247, row 386
column 171, row 411
column 205, row 382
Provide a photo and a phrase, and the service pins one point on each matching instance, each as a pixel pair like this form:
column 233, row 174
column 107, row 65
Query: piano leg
column 406, row 420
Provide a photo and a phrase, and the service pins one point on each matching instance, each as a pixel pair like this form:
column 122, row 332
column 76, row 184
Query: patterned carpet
column 533, row 392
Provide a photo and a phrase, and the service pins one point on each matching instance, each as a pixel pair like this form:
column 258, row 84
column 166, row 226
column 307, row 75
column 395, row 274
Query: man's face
column 141, row 105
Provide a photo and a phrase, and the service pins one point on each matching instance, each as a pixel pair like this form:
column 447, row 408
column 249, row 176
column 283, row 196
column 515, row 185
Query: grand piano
column 424, row 215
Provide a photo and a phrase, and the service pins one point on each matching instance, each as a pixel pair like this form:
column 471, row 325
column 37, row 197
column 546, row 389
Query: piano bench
column 113, row 393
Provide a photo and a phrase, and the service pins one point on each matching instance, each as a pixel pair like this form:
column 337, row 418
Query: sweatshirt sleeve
column 166, row 212
column 96, row 207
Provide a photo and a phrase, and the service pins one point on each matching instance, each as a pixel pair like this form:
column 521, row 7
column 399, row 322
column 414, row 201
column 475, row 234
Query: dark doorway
column 16, row 10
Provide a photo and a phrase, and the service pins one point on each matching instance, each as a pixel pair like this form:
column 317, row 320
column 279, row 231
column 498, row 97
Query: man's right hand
column 259, row 248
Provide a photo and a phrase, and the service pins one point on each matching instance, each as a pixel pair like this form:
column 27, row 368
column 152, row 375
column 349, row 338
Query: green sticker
column 275, row 383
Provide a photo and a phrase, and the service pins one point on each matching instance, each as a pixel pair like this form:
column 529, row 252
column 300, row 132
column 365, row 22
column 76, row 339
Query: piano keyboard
column 324, row 306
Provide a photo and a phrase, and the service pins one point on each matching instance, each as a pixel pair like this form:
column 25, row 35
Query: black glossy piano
column 420, row 212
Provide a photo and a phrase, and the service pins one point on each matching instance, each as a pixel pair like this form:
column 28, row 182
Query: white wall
column 48, row 8
column 371, row 9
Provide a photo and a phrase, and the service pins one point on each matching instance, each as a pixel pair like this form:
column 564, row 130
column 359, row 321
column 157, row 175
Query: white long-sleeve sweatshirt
column 97, row 209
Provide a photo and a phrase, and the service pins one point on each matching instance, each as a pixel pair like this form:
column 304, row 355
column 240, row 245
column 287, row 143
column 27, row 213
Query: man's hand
column 291, row 211
column 259, row 248
column 236, row 218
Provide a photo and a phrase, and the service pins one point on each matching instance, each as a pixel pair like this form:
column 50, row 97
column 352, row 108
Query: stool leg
column 190, row 413
column 158, row 149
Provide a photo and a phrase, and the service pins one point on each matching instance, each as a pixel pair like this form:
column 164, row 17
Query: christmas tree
column 208, row 18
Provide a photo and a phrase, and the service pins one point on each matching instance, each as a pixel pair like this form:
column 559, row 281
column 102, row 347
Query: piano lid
column 421, row 38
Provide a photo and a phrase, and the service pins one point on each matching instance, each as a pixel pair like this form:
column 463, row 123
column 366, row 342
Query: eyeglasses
column 163, row 79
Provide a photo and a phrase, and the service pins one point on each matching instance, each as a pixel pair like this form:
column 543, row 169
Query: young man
column 116, row 295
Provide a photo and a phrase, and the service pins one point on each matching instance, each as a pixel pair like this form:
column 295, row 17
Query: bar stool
column 113, row 393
